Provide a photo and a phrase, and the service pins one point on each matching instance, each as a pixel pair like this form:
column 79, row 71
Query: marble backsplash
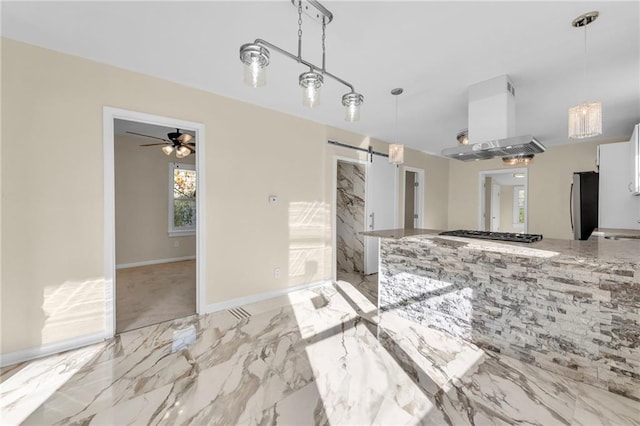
column 575, row 316
column 350, row 217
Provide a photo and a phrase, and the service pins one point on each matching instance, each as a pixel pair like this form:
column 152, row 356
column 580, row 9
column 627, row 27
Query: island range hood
column 492, row 116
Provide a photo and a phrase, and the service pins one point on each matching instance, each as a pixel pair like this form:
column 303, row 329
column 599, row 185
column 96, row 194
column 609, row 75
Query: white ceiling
column 434, row 50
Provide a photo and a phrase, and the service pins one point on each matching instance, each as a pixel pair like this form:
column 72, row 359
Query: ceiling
column 434, row 50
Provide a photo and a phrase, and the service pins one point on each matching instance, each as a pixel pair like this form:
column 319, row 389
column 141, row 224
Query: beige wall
column 52, row 218
column 549, row 178
column 436, row 192
column 142, row 199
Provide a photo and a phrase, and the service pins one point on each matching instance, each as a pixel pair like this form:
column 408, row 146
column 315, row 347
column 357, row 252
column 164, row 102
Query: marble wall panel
column 350, row 216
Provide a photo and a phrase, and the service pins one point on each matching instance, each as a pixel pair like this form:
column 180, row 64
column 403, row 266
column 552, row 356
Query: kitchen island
column 571, row 307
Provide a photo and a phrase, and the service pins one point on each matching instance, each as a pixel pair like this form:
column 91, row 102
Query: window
column 182, row 199
column 519, row 205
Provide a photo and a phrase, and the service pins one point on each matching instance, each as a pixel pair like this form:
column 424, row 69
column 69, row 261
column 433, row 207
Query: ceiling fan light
column 352, row 102
column 182, row 151
column 311, row 82
column 167, row 149
column 185, row 138
column 255, row 59
column 585, row 120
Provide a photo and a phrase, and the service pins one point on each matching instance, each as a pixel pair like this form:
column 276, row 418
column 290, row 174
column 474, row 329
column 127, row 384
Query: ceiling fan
column 180, row 142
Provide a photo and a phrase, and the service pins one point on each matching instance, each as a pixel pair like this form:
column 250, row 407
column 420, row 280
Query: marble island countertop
column 598, row 246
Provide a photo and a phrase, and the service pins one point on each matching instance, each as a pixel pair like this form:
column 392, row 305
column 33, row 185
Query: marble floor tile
column 366, row 284
column 325, row 357
column 596, row 406
column 30, row 384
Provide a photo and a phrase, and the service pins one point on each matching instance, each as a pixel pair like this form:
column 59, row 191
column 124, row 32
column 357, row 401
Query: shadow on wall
column 308, row 242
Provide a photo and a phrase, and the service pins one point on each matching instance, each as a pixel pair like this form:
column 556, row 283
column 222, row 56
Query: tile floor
column 320, row 356
column 152, row 294
column 366, row 284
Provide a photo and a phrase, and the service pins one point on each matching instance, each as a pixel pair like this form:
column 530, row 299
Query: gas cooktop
column 500, row 236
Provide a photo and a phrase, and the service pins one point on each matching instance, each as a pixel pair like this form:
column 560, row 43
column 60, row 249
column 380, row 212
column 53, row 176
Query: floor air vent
column 239, row 313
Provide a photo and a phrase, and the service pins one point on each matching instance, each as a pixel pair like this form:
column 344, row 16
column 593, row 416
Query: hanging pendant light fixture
column 396, row 150
column 255, row 57
column 585, row 119
column 311, row 82
column 352, row 102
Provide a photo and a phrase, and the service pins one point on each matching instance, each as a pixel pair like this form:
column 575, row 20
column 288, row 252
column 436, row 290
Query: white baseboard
column 50, row 349
column 215, row 307
column 153, row 262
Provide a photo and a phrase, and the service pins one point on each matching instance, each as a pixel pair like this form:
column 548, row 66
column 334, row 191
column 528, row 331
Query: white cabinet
column 617, row 207
column 634, row 145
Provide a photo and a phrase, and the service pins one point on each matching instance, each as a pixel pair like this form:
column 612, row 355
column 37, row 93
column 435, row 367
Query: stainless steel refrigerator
column 584, row 204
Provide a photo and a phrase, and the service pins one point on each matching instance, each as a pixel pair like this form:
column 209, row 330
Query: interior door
column 495, row 208
column 380, row 206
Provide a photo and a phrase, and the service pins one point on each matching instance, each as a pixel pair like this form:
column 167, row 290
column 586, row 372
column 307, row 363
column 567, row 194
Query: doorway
column 350, row 216
column 365, row 199
column 413, row 196
column 503, row 200
column 153, row 219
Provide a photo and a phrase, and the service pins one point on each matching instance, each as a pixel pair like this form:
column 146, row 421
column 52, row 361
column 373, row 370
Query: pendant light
column 396, row 150
column 585, row 119
column 352, row 102
column 255, row 57
column 311, row 82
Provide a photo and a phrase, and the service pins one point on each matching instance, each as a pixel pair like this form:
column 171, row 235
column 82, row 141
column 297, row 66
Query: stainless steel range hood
column 492, row 116
column 508, row 147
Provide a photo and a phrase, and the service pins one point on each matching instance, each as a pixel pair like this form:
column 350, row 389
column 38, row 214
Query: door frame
column 336, row 158
column 420, row 197
column 481, row 204
column 110, row 114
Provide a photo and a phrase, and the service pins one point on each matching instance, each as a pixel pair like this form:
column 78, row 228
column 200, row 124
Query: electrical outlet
column 276, row 273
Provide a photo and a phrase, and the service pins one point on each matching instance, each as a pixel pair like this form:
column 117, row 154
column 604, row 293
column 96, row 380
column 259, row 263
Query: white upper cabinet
column 617, row 207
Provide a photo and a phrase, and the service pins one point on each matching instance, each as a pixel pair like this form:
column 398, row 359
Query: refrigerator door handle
column 571, row 205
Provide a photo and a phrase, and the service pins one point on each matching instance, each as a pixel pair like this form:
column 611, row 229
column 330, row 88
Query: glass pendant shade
column 255, row 59
column 182, row 151
column 311, row 82
column 167, row 149
column 352, row 102
column 585, row 120
column 396, row 153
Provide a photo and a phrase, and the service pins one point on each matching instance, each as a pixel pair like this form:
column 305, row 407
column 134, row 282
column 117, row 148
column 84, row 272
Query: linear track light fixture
column 255, row 57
